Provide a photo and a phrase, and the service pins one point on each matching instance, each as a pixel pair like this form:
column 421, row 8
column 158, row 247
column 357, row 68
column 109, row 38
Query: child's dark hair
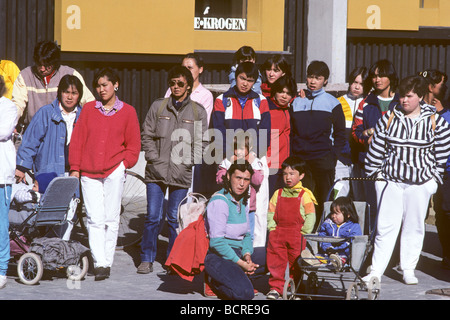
column 241, row 139
column 295, row 163
column 416, row 84
column 346, row 206
column 284, row 82
column 318, row 68
column 244, row 53
column 249, row 69
column 364, row 73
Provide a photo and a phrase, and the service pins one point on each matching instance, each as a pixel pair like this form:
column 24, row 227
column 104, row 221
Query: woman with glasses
column 105, row 141
column 172, row 139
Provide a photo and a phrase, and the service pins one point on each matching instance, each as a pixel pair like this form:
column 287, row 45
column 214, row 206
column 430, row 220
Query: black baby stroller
column 32, row 247
column 326, row 277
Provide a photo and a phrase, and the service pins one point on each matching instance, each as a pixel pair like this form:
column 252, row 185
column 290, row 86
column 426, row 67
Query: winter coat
column 169, row 160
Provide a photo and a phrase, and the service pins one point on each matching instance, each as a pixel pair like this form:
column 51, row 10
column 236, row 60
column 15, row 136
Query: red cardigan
column 280, row 120
column 100, row 143
column 189, row 250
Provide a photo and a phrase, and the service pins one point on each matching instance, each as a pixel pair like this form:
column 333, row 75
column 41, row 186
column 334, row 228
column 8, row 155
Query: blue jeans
column 155, row 200
column 5, row 199
column 228, row 280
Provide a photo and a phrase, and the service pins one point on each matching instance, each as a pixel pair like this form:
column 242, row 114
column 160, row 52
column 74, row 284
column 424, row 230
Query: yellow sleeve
column 310, row 213
column 20, row 95
column 271, row 224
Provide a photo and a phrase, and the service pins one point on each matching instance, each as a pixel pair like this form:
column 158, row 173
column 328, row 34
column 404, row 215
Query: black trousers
column 319, row 180
column 442, row 209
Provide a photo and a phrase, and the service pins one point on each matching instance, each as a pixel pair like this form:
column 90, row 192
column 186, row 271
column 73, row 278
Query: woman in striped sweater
column 409, row 149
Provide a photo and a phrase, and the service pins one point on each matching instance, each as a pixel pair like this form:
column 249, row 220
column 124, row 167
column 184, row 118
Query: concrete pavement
column 126, row 284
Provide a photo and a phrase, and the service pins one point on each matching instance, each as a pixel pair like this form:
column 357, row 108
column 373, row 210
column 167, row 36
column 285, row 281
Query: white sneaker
column 3, row 281
column 273, row 295
column 409, row 277
column 369, row 277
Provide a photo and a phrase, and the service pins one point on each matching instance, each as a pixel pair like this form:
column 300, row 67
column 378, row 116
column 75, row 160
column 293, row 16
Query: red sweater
column 100, row 143
column 280, row 120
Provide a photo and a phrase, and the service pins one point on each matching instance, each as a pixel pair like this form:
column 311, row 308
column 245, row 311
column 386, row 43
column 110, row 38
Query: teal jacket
column 228, row 227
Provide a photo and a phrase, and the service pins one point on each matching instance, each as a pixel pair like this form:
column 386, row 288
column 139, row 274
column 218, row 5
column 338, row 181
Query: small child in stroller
column 25, row 198
column 341, row 222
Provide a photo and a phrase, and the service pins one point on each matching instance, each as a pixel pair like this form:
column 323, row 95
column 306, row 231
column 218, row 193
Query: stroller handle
column 360, row 179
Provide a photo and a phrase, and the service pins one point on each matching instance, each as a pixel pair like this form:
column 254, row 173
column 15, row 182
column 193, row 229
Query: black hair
column 318, row 68
column 106, row 72
column 67, row 81
column 178, row 71
column 249, row 68
column 347, row 207
column 2, row 86
column 433, row 77
column 385, row 69
column 246, row 166
column 366, row 82
column 198, row 60
column 47, row 53
column 416, row 84
column 284, row 82
column 295, row 163
column 279, row 61
column 244, row 53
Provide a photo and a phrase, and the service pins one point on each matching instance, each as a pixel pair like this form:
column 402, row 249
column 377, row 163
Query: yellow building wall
column 160, row 27
column 398, row 14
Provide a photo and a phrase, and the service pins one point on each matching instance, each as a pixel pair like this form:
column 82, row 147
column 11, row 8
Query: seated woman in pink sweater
column 243, row 151
column 105, row 141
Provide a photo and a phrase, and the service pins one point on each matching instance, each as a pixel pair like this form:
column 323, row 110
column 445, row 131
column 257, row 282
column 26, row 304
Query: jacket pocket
column 162, row 126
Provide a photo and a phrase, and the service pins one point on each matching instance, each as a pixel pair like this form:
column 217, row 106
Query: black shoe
column 101, row 273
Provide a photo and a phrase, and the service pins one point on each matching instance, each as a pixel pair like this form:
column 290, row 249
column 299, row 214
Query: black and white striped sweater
column 410, row 151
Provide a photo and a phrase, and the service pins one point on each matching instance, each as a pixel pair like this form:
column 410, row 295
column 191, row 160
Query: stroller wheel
column 79, row 271
column 289, row 290
column 373, row 288
column 352, row 292
column 30, row 268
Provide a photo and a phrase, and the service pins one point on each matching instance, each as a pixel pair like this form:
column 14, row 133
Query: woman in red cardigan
column 283, row 91
column 105, row 141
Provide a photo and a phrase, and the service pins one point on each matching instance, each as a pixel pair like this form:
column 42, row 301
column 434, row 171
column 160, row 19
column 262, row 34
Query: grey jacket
column 173, row 141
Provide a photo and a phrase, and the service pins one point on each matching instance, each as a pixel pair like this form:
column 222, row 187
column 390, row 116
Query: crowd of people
column 264, row 153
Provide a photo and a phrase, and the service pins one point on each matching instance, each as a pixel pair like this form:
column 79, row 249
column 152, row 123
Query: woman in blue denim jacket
column 45, row 143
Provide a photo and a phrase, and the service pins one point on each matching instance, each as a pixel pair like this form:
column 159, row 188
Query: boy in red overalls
column 291, row 214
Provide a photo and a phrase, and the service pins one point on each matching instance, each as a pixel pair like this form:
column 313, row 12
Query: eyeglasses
column 180, row 84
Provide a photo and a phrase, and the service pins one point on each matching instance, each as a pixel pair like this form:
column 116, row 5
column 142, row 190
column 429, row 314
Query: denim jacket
column 43, row 147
